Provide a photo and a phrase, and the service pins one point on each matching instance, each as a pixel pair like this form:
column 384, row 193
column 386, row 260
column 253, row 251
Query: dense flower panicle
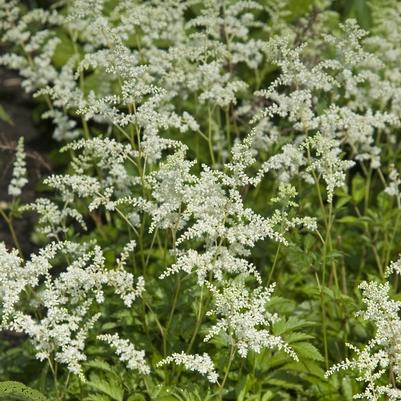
column 127, row 353
column 381, row 357
column 199, row 363
column 241, row 315
column 328, row 163
column 19, row 174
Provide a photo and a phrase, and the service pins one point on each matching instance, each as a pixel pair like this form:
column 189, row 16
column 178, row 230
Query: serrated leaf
column 307, row 351
column 292, row 324
column 107, row 385
column 310, row 367
column 19, row 392
column 296, row 337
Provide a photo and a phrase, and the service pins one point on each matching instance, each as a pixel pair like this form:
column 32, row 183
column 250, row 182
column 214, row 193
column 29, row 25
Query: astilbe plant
column 202, row 141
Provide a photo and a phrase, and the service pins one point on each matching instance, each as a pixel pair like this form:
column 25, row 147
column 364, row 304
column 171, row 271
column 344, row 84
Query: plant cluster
column 228, row 195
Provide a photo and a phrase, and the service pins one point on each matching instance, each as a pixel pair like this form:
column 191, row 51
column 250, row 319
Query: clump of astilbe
column 198, row 363
column 100, row 176
column 60, row 314
column 38, row 46
column 209, row 210
column 19, row 174
column 295, row 96
column 378, row 364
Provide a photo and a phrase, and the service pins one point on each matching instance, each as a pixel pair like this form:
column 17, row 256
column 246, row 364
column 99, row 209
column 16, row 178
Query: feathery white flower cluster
column 54, row 220
column 243, row 318
column 198, row 363
column 393, row 188
column 209, row 209
column 134, row 359
column 328, row 162
column 395, row 267
column 19, row 174
column 378, row 364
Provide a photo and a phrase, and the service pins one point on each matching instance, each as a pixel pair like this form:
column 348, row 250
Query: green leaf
column 64, row 50
column 292, row 324
column 102, row 365
column 310, row 367
column 108, row 385
column 18, row 391
column 297, row 337
column 359, row 9
column 358, row 188
column 5, row 116
column 136, row 397
column 343, row 199
column 348, row 220
column 307, row 351
column 346, row 387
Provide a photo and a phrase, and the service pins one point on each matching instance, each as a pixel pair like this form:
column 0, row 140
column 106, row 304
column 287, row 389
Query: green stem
column 53, row 368
column 230, row 361
column 324, row 324
column 8, row 220
column 210, row 139
column 274, row 264
column 328, row 223
column 199, row 318
column 170, row 317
